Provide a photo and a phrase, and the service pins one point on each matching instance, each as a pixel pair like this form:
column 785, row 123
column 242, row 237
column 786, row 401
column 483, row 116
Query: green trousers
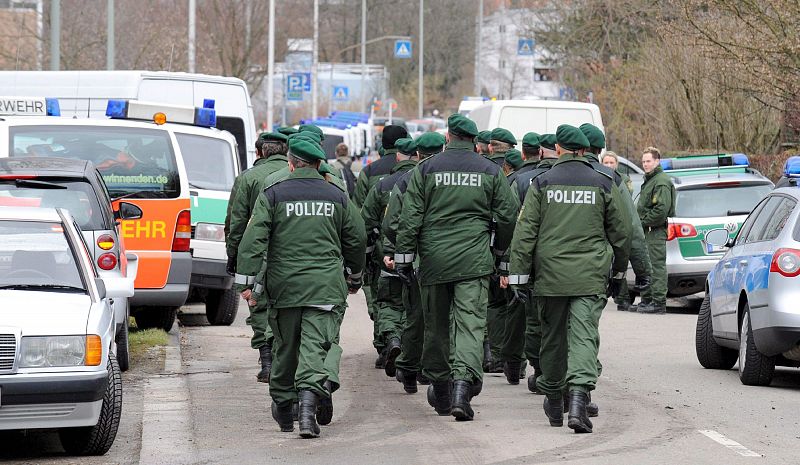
column 371, row 294
column 303, row 338
column 657, row 247
column 640, row 261
column 533, row 330
column 513, row 349
column 259, row 322
column 496, row 316
column 334, row 356
column 465, row 302
column 390, row 307
column 570, row 342
column 413, row 330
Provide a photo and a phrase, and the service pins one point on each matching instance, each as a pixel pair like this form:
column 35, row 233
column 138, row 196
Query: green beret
column 531, row 139
column 571, row 138
column 461, row 126
column 503, row 135
column 276, row 136
column 325, row 168
column 484, row 137
column 514, row 158
column 288, row 130
column 305, row 150
column 307, row 135
column 312, row 128
column 406, row 146
column 548, row 141
column 594, row 134
column 430, row 142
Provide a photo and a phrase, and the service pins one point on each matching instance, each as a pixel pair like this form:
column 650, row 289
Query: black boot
column 421, row 379
column 307, row 415
column 283, row 415
column 439, row 397
column 381, row 360
column 392, row 352
column 265, row 353
column 511, row 370
column 409, row 380
column 537, row 370
column 591, row 408
column 554, row 409
column 477, row 387
column 325, row 407
column 497, row 367
column 578, row 419
column 460, row 408
column 488, row 360
column 523, row 368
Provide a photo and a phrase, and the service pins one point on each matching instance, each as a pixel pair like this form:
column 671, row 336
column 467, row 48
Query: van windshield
column 209, row 162
column 134, row 162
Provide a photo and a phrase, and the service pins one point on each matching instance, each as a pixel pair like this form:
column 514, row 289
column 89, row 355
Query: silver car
column 751, row 311
column 58, row 366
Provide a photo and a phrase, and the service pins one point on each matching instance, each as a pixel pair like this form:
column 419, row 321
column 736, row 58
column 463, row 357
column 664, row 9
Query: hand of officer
column 230, row 267
column 615, row 284
column 503, row 282
column 519, row 296
column 246, row 294
column 406, row 272
column 388, row 263
column 354, row 284
column 642, row 284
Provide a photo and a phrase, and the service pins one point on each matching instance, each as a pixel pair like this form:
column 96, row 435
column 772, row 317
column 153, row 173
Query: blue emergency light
column 206, row 117
column 737, row 160
column 53, row 108
column 117, row 109
column 792, row 167
column 160, row 113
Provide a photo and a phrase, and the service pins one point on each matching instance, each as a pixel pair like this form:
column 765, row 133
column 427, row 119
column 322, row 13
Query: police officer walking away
column 447, row 211
column 570, row 216
column 344, row 164
column 656, row 205
column 302, row 230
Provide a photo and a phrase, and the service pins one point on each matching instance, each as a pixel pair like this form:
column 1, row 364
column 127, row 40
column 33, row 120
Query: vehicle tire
column 123, row 348
column 221, row 306
column 755, row 369
column 709, row 353
column 156, row 317
column 97, row 439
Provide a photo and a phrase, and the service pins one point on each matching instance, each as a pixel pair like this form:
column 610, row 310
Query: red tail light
column 183, row 232
column 17, row 176
column 105, row 242
column 786, row 262
column 107, row 261
column 678, row 230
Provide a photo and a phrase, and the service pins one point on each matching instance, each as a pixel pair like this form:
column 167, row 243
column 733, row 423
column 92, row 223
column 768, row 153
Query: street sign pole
column 315, row 63
column 421, row 85
column 363, row 92
column 271, row 66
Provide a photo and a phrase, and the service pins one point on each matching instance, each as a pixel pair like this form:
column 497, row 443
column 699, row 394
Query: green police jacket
column 447, row 215
column 243, row 198
column 304, row 235
column 373, row 173
column 570, row 216
column 656, row 199
column 375, row 206
column 528, row 165
column 391, row 219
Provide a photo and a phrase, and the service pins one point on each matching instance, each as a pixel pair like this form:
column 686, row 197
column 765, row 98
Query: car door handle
column 727, row 264
column 743, row 263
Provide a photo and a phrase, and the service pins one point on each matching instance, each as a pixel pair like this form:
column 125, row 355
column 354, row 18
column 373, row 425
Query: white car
column 58, row 366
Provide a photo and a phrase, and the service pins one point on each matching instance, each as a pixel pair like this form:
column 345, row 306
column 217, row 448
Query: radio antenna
column 169, row 68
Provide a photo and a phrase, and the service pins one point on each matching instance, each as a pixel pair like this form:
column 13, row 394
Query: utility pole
column 110, row 52
column 363, row 93
column 271, row 66
column 315, row 63
column 39, row 34
column 421, row 88
column 55, row 35
column 478, row 46
column 192, row 21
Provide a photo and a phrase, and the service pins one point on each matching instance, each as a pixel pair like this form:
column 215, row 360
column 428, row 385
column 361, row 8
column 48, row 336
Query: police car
column 712, row 191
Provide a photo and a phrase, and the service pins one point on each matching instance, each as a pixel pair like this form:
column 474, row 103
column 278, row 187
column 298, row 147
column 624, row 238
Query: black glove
column 230, row 267
column 354, row 284
column 519, row 296
column 642, row 284
column 405, row 271
column 615, row 285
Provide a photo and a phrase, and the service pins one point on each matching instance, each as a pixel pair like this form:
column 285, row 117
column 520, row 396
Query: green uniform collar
column 387, row 152
column 259, row 161
column 497, row 156
column 305, row 173
column 460, row 144
column 547, row 162
column 403, row 165
column 657, row 170
column 568, row 157
column 530, row 162
column 590, row 156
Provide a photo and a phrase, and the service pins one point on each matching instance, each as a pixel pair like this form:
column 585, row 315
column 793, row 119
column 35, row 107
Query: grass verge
column 142, row 340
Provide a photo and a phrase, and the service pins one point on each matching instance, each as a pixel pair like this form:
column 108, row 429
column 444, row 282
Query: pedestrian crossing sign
column 341, row 93
column 402, row 49
column 525, row 47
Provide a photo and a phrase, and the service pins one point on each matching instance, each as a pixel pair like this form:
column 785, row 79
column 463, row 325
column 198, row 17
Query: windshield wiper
column 738, row 212
column 43, row 287
column 38, row 184
column 143, row 194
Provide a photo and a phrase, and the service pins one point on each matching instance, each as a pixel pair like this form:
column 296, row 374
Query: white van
column 541, row 116
column 85, row 94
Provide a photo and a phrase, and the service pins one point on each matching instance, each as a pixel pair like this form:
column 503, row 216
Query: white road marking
column 729, row 443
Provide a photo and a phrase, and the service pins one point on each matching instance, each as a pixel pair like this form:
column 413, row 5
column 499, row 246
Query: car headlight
column 210, row 232
column 52, row 351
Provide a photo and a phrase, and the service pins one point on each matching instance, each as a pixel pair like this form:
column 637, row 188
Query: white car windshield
column 37, row 256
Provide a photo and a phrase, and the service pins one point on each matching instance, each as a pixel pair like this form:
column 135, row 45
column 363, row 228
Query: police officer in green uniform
column 482, row 142
column 656, row 205
column 448, row 209
column 570, row 217
column 270, row 157
column 369, row 176
column 408, row 367
column 530, row 155
column 302, row 232
column 389, row 298
column 512, row 162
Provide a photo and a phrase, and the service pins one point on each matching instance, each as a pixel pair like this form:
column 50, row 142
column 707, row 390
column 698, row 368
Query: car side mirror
column 718, row 237
column 127, row 211
column 101, row 287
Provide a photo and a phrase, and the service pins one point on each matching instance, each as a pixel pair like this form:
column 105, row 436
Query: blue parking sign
column 402, row 49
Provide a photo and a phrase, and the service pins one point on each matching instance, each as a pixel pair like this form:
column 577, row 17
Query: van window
column 329, row 145
column 521, row 120
column 235, row 126
column 208, row 160
column 134, row 162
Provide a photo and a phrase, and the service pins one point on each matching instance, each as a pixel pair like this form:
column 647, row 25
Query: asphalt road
column 657, row 406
